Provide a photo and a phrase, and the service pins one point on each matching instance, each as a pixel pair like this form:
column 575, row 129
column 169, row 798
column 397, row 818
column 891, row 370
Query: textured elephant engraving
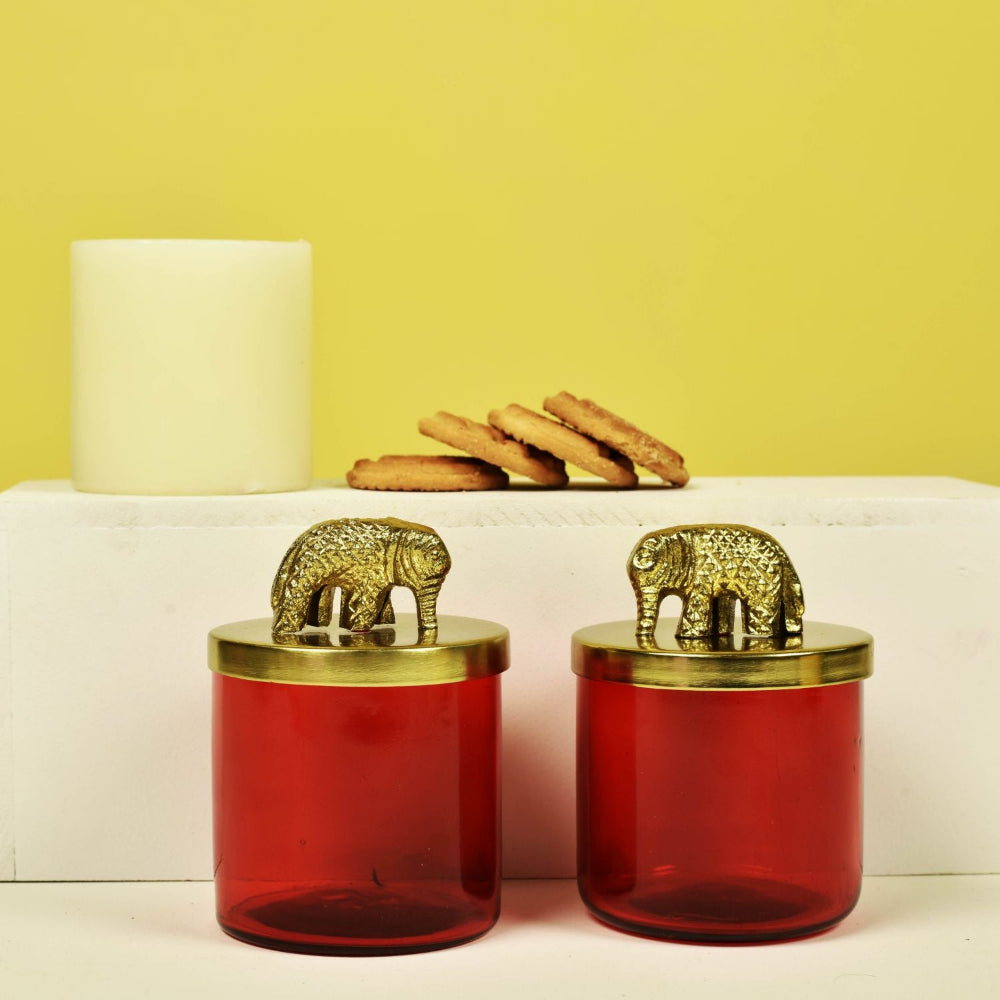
column 711, row 567
column 365, row 558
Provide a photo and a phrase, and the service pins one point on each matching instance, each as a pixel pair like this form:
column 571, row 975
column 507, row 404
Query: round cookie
column 645, row 450
column 492, row 446
column 426, row 473
column 593, row 456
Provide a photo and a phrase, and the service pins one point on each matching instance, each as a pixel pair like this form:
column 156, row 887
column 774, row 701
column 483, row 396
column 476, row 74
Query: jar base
column 734, row 911
column 343, row 919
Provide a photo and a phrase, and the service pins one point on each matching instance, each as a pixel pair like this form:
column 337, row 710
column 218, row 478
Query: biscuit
column 426, row 473
column 493, row 446
column 593, row 456
column 619, row 434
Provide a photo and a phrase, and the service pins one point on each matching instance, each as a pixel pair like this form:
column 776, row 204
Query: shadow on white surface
column 527, row 902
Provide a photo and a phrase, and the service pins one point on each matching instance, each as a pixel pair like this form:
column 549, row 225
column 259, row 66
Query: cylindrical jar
column 356, row 785
column 719, row 782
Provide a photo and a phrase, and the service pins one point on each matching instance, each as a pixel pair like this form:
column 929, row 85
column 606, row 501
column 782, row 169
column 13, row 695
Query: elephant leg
column 791, row 602
column 761, row 617
column 358, row 609
column 290, row 616
column 312, row 608
column 385, row 616
column 696, row 619
column 427, row 606
column 724, row 614
column 346, row 596
column 648, row 600
column 791, row 620
column 325, row 609
column 321, row 607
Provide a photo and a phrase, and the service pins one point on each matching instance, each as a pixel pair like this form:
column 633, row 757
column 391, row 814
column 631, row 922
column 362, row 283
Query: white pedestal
column 104, row 689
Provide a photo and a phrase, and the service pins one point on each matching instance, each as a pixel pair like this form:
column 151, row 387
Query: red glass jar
column 356, row 785
column 719, row 782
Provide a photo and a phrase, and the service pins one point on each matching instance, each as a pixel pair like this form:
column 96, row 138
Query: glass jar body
column 356, row 820
column 719, row 815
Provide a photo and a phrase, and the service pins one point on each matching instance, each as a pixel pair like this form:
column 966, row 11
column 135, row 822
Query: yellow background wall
column 766, row 231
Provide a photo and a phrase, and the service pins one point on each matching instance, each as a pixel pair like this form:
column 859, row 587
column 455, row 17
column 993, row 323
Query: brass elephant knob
column 711, row 567
column 365, row 558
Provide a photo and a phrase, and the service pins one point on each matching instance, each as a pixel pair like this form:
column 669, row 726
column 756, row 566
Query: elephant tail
column 794, row 602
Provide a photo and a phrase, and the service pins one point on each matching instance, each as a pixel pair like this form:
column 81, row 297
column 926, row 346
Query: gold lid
column 363, row 558
column 820, row 654
column 714, row 568
column 400, row 655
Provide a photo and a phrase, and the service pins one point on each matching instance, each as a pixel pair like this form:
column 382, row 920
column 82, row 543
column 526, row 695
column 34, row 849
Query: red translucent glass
column 719, row 815
column 356, row 820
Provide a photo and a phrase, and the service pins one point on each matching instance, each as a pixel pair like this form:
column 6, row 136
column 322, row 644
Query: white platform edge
column 954, row 822
column 917, row 936
column 6, row 721
column 776, row 501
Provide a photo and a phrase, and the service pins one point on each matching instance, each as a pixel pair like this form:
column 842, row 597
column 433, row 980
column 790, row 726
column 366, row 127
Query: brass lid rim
column 463, row 649
column 829, row 654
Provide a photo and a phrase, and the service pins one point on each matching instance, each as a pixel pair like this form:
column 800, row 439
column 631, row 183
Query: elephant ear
column 646, row 554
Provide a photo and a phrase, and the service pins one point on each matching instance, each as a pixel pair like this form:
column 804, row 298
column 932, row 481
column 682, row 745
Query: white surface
column 111, row 599
column 6, row 726
column 908, row 937
column 191, row 366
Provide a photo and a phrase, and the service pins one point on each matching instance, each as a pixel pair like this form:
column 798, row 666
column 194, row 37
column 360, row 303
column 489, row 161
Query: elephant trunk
column 678, row 564
column 793, row 603
column 661, row 563
column 290, row 614
column 293, row 588
column 648, row 599
column 280, row 583
column 422, row 566
column 427, row 605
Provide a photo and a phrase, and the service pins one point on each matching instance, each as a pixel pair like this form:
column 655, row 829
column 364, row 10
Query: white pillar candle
column 191, row 366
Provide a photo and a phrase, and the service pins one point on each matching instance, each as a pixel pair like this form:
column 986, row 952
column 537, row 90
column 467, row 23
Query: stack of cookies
column 529, row 443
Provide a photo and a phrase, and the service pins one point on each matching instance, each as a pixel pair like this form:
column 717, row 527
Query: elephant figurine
column 365, row 558
column 711, row 567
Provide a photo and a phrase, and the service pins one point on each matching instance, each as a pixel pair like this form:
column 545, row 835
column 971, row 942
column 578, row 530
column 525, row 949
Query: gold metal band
column 822, row 654
column 398, row 655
